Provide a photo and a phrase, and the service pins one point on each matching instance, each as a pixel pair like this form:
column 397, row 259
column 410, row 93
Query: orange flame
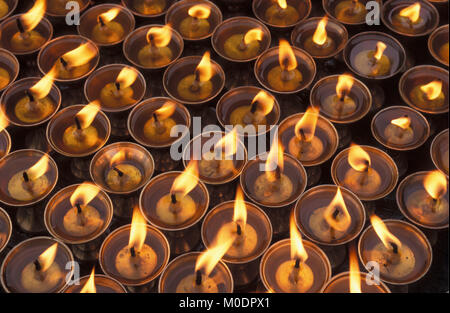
column 229, row 143
column 81, row 55
column 201, row 11
column 138, row 231
column 412, row 12
column 109, row 15
column 89, row 287
column 275, row 159
column 344, row 85
column 39, row 169
column 286, row 56
column 355, row 275
column 383, row 233
column 159, row 36
column 435, row 184
column 282, row 4
column 3, row 120
column 118, row 157
column 47, row 257
column 42, row 88
column 297, row 249
column 240, row 211
column 402, row 122
column 253, row 35
column 84, row 194
column 265, row 102
column 432, row 89
column 87, row 114
column 32, row 18
column 306, row 126
column 127, row 77
column 204, row 69
column 320, row 35
column 380, row 49
column 358, row 159
column 166, row 110
column 338, row 202
column 187, row 180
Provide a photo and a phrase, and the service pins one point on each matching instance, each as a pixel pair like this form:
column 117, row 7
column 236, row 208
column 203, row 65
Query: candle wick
column 238, row 229
column 173, row 198
column 79, row 210
column 29, row 95
column 277, row 173
column 119, row 172
column 37, row 265
column 297, row 263
column 335, row 213
column 343, row 95
column 77, row 122
column 155, row 116
column 20, row 26
column 25, row 177
column 63, row 62
column 198, row 278
column 394, row 247
column 100, row 20
column 253, row 107
column 133, row 252
column 117, row 84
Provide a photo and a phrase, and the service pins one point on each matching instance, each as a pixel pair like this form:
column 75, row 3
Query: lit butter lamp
column 408, row 20
column 341, row 104
column 157, row 52
column 427, row 205
column 96, row 284
column 196, row 25
column 36, row 106
column 149, row 7
column 255, row 113
column 244, row 46
column 120, row 92
column 198, row 86
column 373, row 63
column 350, row 11
column 31, row 183
column 122, row 175
column 320, row 44
column 107, row 30
column 82, row 135
column 158, row 127
column 399, row 131
column 75, row 63
column 27, row 38
column 285, row 76
column 430, row 95
column 281, row 14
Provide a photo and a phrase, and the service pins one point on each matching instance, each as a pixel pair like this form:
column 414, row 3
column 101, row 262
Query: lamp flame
column 187, row 180
column 138, row 231
column 109, row 15
column 127, row 77
column 338, row 203
column 118, row 157
column 275, row 160
column 166, row 110
column 297, row 249
column 282, row 4
column 39, row 168
column 381, row 46
column 320, row 35
column 32, row 18
column 87, row 114
column 344, row 85
column 42, row 88
column 89, row 287
column 402, row 122
column 383, row 233
column 84, row 194
column 201, row 11
column 80, row 55
column 412, row 12
column 159, row 36
column 253, row 35
column 265, row 102
column 204, row 68
column 229, row 143
column 432, row 89
column 435, row 184
column 47, row 257
column 305, row 128
column 358, row 159
column 286, row 56
column 355, row 275
column 240, row 211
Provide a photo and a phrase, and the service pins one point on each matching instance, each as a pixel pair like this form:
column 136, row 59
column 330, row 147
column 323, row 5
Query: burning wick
column 196, row 24
column 158, row 127
column 122, row 175
column 107, row 30
column 157, row 52
column 28, row 38
column 198, row 278
column 282, row 14
column 286, row 76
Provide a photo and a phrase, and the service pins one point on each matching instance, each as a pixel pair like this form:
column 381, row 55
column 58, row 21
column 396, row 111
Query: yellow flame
column 265, row 102
column 240, row 211
column 383, row 233
column 47, row 257
column 42, row 88
column 89, row 287
column 3, row 120
column 402, row 122
column 344, row 84
column 201, row 11
column 412, row 12
column 358, row 159
column 282, row 4
column 320, row 35
column 159, row 36
column 127, row 77
column 118, row 157
column 253, row 35
column 286, row 56
column 435, row 184
column 32, row 18
column 381, row 46
column 84, row 194
column 344, row 221
column 297, row 249
column 275, row 159
column 305, row 128
column 355, row 275
column 204, row 69
column 228, row 143
column 187, row 180
column 87, row 114
column 138, row 231
column 166, row 110
column 109, row 15
column 38, row 169
column 432, row 89
column 80, row 55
